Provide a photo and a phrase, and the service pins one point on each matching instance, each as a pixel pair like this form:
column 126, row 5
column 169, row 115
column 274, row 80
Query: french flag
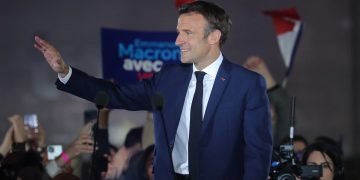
column 179, row 3
column 288, row 28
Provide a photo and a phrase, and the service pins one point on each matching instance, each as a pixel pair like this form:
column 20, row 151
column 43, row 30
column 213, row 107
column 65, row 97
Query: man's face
column 193, row 44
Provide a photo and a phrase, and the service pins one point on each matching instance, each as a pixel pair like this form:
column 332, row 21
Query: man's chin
column 185, row 61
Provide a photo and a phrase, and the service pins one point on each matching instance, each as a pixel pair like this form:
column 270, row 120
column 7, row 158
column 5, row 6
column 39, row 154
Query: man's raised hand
column 52, row 56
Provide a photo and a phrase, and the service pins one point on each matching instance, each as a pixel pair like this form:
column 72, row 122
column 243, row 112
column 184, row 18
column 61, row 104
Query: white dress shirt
column 180, row 151
column 65, row 79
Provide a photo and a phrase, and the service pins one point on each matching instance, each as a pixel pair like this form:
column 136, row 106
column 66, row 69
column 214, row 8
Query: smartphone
column 31, row 125
column 53, row 151
column 31, row 120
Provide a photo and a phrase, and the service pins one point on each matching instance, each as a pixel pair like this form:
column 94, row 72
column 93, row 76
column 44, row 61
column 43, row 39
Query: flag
column 179, row 3
column 288, row 28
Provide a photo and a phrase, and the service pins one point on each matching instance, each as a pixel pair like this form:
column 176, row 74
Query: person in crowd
column 299, row 142
column 209, row 103
column 19, row 162
column 24, row 165
column 327, row 155
column 15, row 137
column 83, row 144
column 103, row 145
column 328, row 140
column 141, row 165
column 6, row 144
column 278, row 96
column 118, row 166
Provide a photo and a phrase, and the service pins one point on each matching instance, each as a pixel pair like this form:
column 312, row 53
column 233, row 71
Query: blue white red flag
column 288, row 28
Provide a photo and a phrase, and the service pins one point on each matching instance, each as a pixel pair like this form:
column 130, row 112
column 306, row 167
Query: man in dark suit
column 232, row 137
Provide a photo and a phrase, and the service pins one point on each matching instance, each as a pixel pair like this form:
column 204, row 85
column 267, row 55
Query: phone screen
column 53, row 151
column 31, row 120
column 31, row 128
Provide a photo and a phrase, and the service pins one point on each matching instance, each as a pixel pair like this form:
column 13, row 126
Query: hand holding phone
column 31, row 125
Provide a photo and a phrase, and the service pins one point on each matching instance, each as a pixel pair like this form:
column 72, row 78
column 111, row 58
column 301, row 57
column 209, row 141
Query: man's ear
column 214, row 37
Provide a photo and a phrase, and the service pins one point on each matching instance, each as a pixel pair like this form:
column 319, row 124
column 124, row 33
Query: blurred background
column 325, row 76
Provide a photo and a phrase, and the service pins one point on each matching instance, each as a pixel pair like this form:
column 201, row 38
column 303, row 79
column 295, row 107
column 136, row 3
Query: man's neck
column 208, row 60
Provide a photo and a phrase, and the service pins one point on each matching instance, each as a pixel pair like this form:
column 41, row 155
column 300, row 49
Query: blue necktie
column 195, row 126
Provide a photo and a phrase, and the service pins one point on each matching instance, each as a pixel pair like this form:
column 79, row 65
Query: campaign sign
column 130, row 56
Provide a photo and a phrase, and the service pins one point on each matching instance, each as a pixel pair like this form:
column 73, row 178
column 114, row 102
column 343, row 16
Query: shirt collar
column 213, row 68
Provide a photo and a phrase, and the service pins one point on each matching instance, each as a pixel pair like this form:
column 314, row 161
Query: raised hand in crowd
column 82, row 144
column 117, row 163
column 19, row 128
column 52, row 56
column 5, row 146
column 255, row 63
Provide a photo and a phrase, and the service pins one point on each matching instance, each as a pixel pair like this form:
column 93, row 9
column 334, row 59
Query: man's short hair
column 216, row 17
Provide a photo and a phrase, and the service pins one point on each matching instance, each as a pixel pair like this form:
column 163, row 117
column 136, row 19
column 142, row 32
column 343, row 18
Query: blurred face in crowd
column 299, row 148
column 318, row 158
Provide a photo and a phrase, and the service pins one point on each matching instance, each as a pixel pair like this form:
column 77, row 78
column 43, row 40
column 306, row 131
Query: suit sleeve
column 257, row 132
column 136, row 96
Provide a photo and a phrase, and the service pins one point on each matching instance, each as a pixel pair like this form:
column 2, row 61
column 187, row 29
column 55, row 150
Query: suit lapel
column 221, row 81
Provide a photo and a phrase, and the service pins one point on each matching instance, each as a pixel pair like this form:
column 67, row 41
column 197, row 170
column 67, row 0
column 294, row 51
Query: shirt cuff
column 65, row 79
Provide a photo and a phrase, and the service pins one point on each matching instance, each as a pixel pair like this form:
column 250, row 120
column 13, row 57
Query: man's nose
column 179, row 40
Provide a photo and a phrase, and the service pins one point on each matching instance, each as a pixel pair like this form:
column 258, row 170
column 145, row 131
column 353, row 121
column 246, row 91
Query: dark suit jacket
column 236, row 140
